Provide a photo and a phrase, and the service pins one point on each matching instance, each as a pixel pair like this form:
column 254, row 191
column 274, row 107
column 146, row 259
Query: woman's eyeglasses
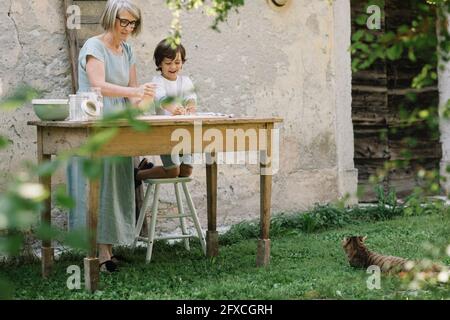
column 124, row 23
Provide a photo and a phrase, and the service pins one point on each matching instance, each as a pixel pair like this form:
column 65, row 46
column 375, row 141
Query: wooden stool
column 181, row 215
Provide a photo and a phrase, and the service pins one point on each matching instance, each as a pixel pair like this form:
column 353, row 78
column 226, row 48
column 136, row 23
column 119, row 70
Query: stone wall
column 33, row 50
column 292, row 63
column 444, row 125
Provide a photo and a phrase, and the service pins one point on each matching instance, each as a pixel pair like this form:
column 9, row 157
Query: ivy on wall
column 218, row 9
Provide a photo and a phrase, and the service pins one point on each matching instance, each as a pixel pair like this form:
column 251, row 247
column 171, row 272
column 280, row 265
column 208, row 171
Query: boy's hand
column 191, row 109
column 190, row 106
column 179, row 110
column 175, row 109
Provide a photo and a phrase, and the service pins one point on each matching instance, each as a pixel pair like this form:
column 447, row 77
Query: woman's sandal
column 108, row 266
column 118, row 259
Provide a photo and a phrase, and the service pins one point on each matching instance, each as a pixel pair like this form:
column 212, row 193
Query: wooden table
column 54, row 137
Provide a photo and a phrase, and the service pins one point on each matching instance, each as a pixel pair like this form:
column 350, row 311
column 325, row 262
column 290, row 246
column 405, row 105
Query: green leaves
column 130, row 114
column 361, row 20
column 369, row 37
column 11, row 243
column 412, row 55
column 426, row 77
column 4, row 142
column 47, row 232
column 218, row 9
column 395, row 52
column 48, row 168
column 388, row 38
column 446, row 110
column 20, row 96
column 418, row 39
column 92, row 168
column 17, row 211
column 62, row 199
column 96, row 142
column 77, row 239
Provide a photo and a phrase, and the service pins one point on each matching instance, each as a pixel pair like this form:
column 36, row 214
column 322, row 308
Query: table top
column 161, row 121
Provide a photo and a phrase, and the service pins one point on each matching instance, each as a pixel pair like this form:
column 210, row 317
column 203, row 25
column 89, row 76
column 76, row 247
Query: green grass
column 303, row 266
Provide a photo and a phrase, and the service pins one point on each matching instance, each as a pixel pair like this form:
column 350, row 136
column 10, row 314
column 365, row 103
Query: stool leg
column 151, row 230
column 141, row 218
column 194, row 217
column 181, row 212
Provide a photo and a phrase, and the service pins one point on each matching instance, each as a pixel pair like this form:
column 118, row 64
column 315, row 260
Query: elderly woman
column 106, row 61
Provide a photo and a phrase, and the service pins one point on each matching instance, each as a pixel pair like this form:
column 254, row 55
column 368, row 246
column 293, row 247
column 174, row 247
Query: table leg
column 47, row 252
column 212, row 236
column 263, row 253
column 91, row 262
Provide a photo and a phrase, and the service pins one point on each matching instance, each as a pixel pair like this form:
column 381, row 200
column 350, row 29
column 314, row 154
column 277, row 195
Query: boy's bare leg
column 104, row 252
column 158, row 172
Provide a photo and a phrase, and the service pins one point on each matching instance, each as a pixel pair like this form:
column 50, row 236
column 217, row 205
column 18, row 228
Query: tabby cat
column 359, row 256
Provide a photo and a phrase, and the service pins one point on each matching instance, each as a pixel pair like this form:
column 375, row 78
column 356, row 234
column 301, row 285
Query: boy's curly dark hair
column 164, row 50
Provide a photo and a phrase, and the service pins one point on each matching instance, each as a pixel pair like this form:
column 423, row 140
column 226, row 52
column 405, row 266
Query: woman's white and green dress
column 116, row 218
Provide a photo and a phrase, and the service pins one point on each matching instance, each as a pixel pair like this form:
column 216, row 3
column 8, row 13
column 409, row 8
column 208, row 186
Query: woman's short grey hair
column 111, row 12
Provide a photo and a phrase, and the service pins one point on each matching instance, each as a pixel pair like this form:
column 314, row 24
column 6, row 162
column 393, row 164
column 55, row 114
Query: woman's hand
column 146, row 91
column 146, row 94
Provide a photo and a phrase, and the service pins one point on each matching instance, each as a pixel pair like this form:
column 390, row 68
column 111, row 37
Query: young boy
column 174, row 93
column 174, row 96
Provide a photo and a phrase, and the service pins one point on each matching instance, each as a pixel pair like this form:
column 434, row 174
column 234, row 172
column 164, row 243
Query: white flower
column 414, row 285
column 443, row 276
column 421, row 173
column 32, row 191
column 409, row 265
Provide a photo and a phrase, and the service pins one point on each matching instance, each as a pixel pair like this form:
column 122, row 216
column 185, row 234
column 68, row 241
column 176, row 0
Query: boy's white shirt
column 182, row 88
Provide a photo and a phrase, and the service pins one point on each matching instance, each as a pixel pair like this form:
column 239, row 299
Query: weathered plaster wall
column 291, row 63
column 348, row 175
column 33, row 50
column 444, row 96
